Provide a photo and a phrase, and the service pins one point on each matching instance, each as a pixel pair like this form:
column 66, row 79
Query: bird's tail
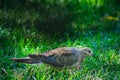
column 26, row 60
column 37, row 58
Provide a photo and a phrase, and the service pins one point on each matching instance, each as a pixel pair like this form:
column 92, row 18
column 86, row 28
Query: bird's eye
column 89, row 51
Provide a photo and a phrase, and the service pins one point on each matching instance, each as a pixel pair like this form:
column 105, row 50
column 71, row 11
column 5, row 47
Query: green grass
column 92, row 26
column 106, row 64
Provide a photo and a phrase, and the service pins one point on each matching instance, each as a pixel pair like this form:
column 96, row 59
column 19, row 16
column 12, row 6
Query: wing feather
column 64, row 56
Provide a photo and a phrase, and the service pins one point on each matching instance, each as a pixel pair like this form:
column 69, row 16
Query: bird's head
column 86, row 51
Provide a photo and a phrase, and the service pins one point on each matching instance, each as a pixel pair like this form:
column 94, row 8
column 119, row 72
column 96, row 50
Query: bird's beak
column 93, row 55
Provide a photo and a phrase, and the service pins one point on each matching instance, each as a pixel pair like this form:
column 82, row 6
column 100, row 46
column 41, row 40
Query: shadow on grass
column 53, row 18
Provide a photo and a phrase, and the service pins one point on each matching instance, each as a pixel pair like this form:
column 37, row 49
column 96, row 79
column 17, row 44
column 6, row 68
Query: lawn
column 36, row 27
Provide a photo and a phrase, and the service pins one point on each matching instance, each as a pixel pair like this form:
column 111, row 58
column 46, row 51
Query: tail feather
column 26, row 60
column 38, row 58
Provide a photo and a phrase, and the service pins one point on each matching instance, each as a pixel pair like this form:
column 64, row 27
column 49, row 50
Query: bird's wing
column 61, row 51
column 45, row 59
column 58, row 57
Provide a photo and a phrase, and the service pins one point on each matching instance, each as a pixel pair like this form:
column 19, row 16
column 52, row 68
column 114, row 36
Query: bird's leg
column 78, row 67
column 69, row 69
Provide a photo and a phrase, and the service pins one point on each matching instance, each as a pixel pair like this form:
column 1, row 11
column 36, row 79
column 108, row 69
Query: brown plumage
column 59, row 57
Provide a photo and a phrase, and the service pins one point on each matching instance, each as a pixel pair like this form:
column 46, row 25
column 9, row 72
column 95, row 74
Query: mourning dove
column 59, row 57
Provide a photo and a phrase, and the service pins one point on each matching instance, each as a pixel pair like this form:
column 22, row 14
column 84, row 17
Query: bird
column 59, row 57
